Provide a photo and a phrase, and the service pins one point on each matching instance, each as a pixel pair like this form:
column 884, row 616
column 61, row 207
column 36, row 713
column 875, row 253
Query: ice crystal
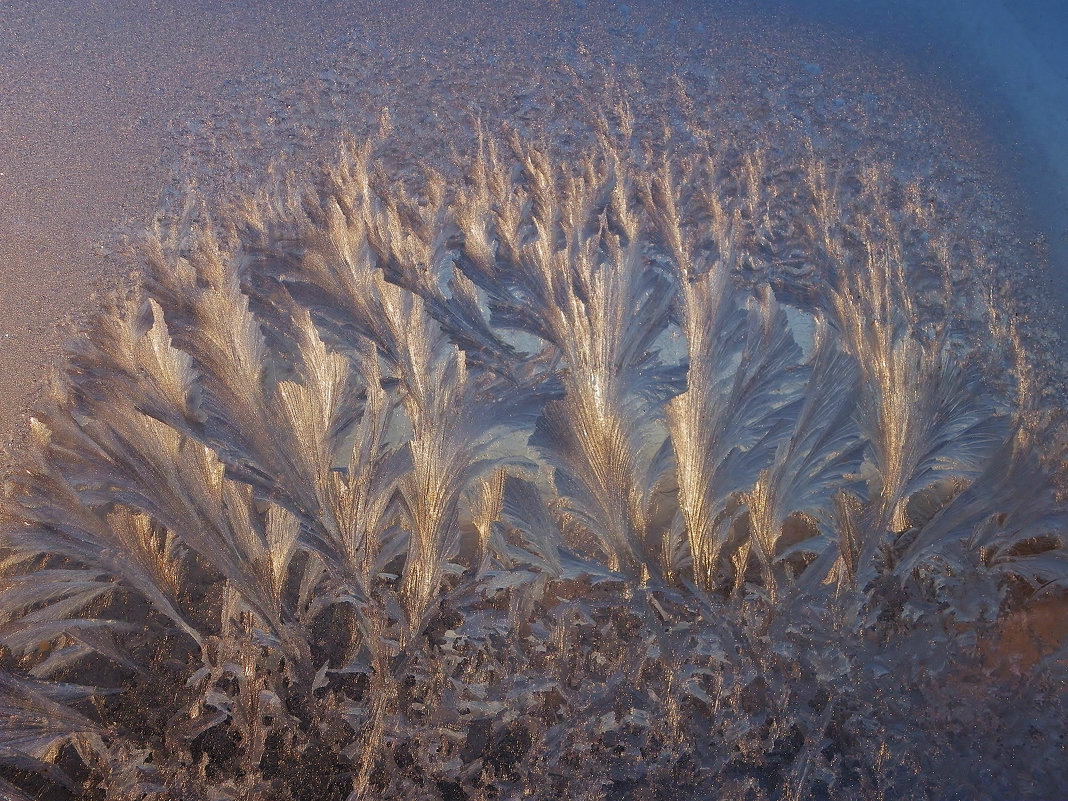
column 550, row 484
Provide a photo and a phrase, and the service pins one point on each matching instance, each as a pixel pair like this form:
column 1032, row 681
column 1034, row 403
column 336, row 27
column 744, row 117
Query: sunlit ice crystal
column 633, row 476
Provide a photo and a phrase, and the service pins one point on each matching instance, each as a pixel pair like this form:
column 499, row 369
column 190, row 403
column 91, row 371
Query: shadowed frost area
column 688, row 470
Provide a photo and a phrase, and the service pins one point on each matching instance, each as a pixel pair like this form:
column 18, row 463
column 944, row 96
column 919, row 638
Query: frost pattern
column 532, row 486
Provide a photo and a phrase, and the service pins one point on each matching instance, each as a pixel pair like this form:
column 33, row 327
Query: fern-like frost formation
column 552, row 483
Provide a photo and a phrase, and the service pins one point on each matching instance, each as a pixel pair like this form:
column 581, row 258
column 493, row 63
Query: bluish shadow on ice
column 1011, row 56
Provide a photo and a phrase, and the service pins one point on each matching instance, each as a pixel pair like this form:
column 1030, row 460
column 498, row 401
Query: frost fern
column 533, row 485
